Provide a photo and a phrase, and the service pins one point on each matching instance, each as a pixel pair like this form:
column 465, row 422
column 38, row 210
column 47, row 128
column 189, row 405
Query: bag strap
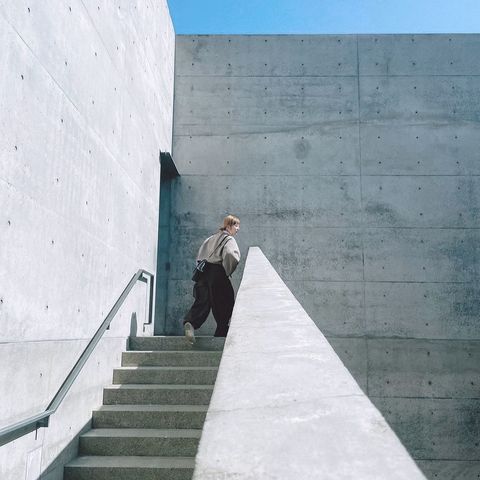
column 223, row 242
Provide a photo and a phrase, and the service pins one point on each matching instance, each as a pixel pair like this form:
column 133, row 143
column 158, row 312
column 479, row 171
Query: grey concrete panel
column 135, row 43
column 294, row 386
column 140, row 158
column 115, row 36
column 420, row 100
column 271, row 200
column 76, row 410
column 142, row 85
column 116, row 45
column 32, row 371
column 57, row 47
column 266, row 55
column 60, row 123
column 423, row 310
column 354, row 355
column 56, row 298
column 42, row 366
column 424, row 368
column 420, row 149
column 329, row 254
column 89, row 191
column 449, row 54
column 426, row 201
column 261, row 104
column 419, row 281
column 434, row 429
column 421, row 255
column 316, row 150
column 86, row 100
column 91, row 187
column 48, row 363
column 337, row 308
column 446, row 470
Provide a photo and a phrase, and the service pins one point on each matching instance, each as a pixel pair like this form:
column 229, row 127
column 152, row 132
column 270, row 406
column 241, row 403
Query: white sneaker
column 189, row 332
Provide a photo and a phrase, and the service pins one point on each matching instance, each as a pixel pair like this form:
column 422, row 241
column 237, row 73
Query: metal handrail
column 16, row 430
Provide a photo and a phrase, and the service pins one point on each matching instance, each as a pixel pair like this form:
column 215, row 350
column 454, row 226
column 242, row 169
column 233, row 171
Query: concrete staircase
column 150, row 423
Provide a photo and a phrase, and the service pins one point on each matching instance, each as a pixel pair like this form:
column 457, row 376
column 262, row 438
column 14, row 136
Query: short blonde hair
column 230, row 220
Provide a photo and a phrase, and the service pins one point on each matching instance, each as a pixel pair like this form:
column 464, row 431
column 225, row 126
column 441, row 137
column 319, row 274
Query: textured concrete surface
column 179, row 358
column 353, row 162
column 86, row 98
column 130, row 468
column 140, row 435
column 446, row 470
column 145, row 442
column 161, row 394
column 435, row 428
column 170, row 375
column 202, row 343
column 284, row 405
column 149, row 416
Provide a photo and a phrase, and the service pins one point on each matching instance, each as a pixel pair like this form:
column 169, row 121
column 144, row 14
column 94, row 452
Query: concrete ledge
column 284, row 406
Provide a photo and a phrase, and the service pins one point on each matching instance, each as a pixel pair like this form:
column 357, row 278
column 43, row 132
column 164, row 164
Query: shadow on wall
column 55, row 470
column 133, row 325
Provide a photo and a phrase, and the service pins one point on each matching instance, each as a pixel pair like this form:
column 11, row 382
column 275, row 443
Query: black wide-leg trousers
column 213, row 292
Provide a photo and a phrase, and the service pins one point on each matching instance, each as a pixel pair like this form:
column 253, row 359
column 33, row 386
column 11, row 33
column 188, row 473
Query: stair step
column 150, row 424
column 171, row 358
column 130, row 468
column 176, row 343
column 157, row 394
column 140, row 442
column 150, row 416
column 170, row 375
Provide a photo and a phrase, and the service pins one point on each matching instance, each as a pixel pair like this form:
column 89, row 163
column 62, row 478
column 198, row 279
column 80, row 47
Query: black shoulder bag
column 200, row 267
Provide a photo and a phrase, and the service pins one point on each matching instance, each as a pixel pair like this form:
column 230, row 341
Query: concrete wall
column 86, row 99
column 277, row 393
column 353, row 162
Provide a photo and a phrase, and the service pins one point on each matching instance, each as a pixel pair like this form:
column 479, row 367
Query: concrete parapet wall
column 86, row 100
column 353, row 162
column 284, row 405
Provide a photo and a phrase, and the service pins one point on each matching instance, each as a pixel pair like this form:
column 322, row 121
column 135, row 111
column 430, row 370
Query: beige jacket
column 228, row 255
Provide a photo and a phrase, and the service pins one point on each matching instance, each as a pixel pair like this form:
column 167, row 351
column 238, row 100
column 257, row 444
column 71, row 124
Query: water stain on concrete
column 467, row 304
column 463, row 255
column 301, row 149
column 383, row 212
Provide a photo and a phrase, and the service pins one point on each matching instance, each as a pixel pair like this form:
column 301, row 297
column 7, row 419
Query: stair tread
column 152, row 408
column 180, row 352
column 141, row 440
column 132, row 462
column 143, row 432
column 154, row 367
column 182, row 337
column 162, row 343
column 157, row 386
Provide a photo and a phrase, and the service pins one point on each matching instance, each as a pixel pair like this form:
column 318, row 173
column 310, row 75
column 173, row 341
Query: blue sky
column 325, row 16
